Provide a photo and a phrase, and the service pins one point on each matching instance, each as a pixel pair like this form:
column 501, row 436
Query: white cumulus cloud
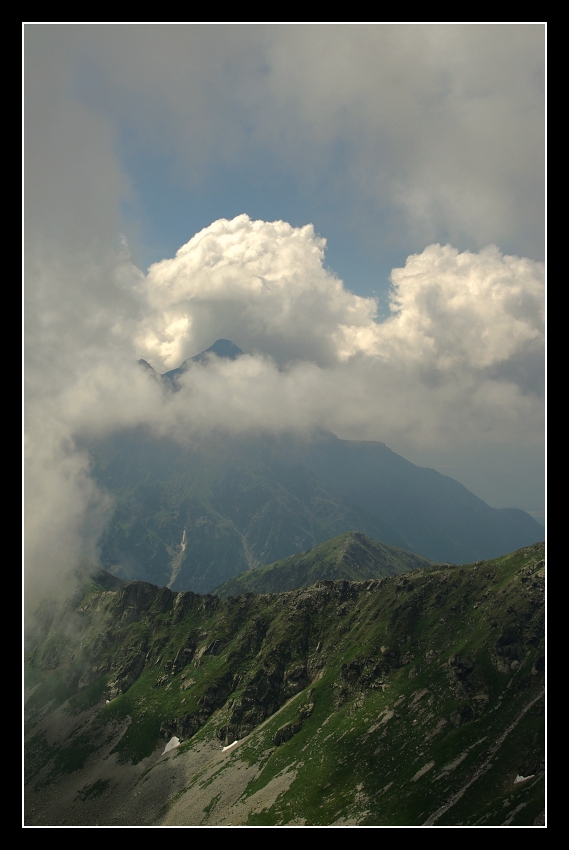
column 261, row 284
column 458, row 364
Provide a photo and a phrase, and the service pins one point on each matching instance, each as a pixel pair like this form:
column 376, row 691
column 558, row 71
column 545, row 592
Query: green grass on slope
column 404, row 701
column 351, row 556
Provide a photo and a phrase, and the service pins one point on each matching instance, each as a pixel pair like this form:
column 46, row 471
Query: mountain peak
column 351, row 556
column 221, row 348
column 145, row 365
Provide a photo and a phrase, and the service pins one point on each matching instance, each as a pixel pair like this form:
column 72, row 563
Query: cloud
column 260, row 284
column 461, row 353
column 265, row 286
column 467, row 311
column 410, row 135
column 64, row 510
column 73, row 179
column 457, row 363
column 438, row 129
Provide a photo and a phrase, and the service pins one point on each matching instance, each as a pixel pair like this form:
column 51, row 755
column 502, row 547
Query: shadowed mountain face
column 416, row 699
column 437, row 517
column 191, row 517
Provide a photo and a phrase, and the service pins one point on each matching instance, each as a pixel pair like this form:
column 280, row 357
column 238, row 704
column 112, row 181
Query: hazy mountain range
column 192, row 516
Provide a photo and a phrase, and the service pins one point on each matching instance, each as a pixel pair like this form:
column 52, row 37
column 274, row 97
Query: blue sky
column 382, row 136
column 163, row 215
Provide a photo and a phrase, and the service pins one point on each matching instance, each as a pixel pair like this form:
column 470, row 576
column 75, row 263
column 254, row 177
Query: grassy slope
column 411, row 700
column 351, row 556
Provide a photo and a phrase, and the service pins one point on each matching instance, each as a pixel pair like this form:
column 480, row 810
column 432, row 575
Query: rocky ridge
column 413, row 699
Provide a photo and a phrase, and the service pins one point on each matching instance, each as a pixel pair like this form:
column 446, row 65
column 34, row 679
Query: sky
column 360, row 208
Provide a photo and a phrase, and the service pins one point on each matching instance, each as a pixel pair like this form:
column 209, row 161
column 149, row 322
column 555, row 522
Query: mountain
column 192, row 516
column 221, row 348
column 415, row 699
column 436, row 516
column 351, row 556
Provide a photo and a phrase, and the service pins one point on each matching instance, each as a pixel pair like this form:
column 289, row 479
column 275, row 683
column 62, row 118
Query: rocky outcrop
column 127, row 673
column 383, row 683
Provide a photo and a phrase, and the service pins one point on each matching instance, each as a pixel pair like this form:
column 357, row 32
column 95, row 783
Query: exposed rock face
column 286, row 732
column 430, row 681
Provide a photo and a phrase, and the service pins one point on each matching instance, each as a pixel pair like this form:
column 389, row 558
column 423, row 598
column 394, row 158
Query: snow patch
column 171, row 745
column 177, row 560
column 228, row 747
column 520, row 778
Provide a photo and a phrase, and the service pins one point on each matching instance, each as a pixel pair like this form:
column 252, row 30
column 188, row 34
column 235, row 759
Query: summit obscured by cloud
column 359, row 209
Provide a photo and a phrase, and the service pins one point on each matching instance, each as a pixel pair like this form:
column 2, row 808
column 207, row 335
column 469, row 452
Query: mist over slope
column 191, row 516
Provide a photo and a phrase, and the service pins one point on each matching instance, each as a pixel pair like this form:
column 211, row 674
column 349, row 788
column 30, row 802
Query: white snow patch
column 228, row 747
column 520, row 778
column 171, row 745
column 177, row 560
